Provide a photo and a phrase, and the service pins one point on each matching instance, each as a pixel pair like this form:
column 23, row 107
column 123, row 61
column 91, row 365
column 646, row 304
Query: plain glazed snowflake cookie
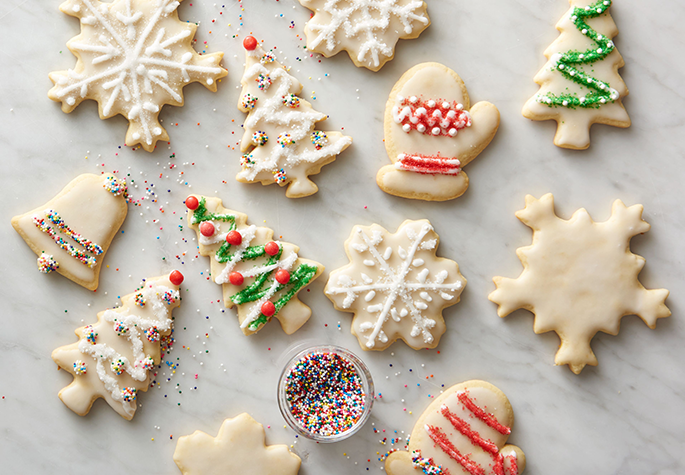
column 113, row 357
column 71, row 233
column 133, row 56
column 395, row 285
column 464, row 431
column 580, row 84
column 431, row 133
column 259, row 276
column 238, row 449
column 579, row 277
column 367, row 29
column 280, row 144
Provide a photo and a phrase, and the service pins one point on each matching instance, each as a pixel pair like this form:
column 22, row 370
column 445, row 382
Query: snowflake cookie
column 238, row 448
column 71, row 233
column 464, row 430
column 260, row 276
column 395, row 285
column 113, row 357
column 431, row 133
column 580, row 84
column 133, row 56
column 280, row 144
column 367, row 29
column 579, row 277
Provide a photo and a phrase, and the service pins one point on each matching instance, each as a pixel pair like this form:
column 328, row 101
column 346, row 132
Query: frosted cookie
column 579, row 277
column 367, row 29
column 580, row 84
column 431, row 133
column 133, row 56
column 238, row 449
column 395, row 285
column 464, row 431
column 280, row 144
column 259, row 276
column 71, row 233
column 113, row 358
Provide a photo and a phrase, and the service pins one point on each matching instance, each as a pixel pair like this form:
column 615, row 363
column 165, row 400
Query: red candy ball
column 250, row 43
column 236, row 278
column 207, row 228
column 176, row 278
column 234, row 238
column 271, row 248
column 192, row 203
column 268, row 309
column 282, row 276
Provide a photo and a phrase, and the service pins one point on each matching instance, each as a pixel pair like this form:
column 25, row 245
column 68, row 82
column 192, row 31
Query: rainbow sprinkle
column 118, row 366
column 268, row 57
column 249, row 101
column 291, row 100
column 170, row 296
column 140, row 300
column 319, row 139
column 47, row 263
column 325, row 394
column 152, row 334
column 148, row 363
column 115, row 186
column 285, row 139
column 260, row 138
column 57, row 220
column 247, row 161
column 427, row 466
column 280, row 176
column 263, row 82
column 90, row 334
column 80, row 368
column 129, row 394
column 120, row 329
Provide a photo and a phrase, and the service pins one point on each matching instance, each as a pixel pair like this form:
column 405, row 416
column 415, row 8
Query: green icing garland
column 259, row 288
column 601, row 92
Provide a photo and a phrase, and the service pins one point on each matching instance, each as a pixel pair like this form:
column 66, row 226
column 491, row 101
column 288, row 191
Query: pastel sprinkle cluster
column 169, row 297
column 148, row 363
column 325, row 394
column 47, row 263
column 260, row 138
column 319, row 139
column 80, row 368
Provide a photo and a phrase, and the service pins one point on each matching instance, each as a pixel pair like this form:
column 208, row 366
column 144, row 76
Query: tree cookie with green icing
column 258, row 275
column 580, row 84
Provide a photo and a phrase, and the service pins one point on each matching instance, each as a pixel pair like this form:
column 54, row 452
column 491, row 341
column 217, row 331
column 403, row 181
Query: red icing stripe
column 429, row 164
column 489, row 419
column 462, row 426
column 513, row 466
column 444, row 443
column 431, row 117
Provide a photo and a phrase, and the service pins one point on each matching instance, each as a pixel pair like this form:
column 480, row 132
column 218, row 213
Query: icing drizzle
column 428, row 164
column 438, row 118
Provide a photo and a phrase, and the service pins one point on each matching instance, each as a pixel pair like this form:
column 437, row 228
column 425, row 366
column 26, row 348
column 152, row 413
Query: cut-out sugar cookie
column 238, row 449
column 395, row 285
column 463, row 431
column 133, row 57
column 113, row 357
column 280, row 144
column 72, row 232
column 579, row 277
column 367, row 29
column 580, row 84
column 260, row 276
column 431, row 133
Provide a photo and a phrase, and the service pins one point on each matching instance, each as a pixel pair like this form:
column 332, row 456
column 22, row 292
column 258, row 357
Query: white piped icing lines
column 367, row 29
column 134, row 56
column 395, row 285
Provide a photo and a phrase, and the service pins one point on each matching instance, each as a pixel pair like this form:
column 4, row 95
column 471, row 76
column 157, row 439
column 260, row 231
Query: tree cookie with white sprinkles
column 260, row 276
column 395, row 285
column 238, row 449
column 367, row 29
column 133, row 57
column 463, row 431
column 71, row 233
column 579, row 277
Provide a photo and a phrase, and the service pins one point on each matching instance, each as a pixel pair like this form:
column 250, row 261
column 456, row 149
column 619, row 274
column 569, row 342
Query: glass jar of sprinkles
column 325, row 393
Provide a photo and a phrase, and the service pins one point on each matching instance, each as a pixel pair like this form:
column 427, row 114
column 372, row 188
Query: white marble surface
column 626, row 416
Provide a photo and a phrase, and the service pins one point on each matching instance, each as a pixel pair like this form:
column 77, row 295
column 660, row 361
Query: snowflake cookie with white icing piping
column 463, row 431
column 580, row 84
column 133, row 56
column 367, row 29
column 238, row 448
column 395, row 285
column 431, row 133
column 280, row 144
column 579, row 277
column 72, row 232
column 114, row 357
column 258, row 275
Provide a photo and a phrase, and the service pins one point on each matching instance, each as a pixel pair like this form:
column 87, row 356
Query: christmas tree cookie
column 395, row 285
column 133, row 56
column 579, row 277
column 463, row 431
column 367, row 29
column 71, row 233
column 113, row 357
column 580, row 84
column 431, row 133
column 238, row 448
column 280, row 144
column 260, row 276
